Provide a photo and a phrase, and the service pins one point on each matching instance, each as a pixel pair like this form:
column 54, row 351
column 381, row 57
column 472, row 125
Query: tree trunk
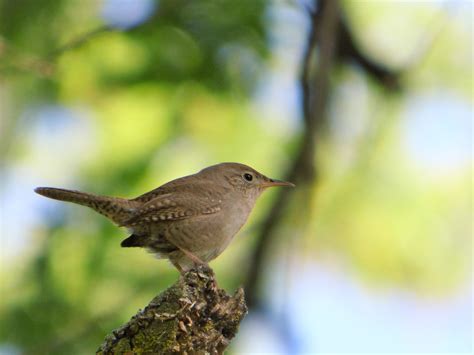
column 192, row 316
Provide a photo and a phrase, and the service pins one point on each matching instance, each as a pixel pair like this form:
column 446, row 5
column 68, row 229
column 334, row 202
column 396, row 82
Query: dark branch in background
column 79, row 41
column 331, row 35
column 303, row 169
column 39, row 65
column 348, row 51
column 315, row 91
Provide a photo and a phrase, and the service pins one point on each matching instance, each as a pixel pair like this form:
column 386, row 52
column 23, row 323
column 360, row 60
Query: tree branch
column 330, row 33
column 192, row 316
column 315, row 89
column 79, row 41
column 348, row 51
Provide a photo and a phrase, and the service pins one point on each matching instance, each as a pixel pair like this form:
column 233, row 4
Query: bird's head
column 243, row 179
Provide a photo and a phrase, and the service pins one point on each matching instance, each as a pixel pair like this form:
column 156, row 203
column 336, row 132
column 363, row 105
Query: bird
column 190, row 220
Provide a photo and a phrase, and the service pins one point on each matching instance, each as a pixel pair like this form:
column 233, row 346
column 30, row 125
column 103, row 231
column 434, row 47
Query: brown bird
column 190, row 220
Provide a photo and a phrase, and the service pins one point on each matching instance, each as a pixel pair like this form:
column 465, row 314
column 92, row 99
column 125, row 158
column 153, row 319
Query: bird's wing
column 174, row 206
column 174, row 186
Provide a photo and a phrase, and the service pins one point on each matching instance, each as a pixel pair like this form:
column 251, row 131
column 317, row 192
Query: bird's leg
column 182, row 268
column 177, row 266
column 193, row 257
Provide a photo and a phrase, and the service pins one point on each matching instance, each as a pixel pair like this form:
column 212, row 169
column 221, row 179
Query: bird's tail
column 114, row 208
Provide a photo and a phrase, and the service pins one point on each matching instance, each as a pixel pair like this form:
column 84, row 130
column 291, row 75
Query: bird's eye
column 248, row 177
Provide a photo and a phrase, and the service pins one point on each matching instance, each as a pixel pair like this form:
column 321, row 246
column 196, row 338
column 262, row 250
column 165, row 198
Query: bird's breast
column 234, row 216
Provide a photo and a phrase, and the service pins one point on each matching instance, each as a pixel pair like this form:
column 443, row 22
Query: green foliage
column 173, row 95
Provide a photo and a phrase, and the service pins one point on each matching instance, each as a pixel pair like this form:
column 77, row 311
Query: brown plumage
column 188, row 220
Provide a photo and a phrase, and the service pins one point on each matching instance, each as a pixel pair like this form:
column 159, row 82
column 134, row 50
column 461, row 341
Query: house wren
column 190, row 220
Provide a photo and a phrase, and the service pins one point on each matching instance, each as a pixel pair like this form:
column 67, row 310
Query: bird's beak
column 274, row 182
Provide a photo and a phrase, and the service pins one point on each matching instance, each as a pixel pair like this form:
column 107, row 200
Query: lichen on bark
column 192, row 316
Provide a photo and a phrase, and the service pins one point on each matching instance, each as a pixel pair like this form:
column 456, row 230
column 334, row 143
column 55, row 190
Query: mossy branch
column 192, row 316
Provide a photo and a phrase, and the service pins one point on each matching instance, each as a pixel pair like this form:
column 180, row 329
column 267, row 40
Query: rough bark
column 192, row 316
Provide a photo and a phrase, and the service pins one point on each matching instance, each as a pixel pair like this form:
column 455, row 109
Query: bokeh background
column 116, row 97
